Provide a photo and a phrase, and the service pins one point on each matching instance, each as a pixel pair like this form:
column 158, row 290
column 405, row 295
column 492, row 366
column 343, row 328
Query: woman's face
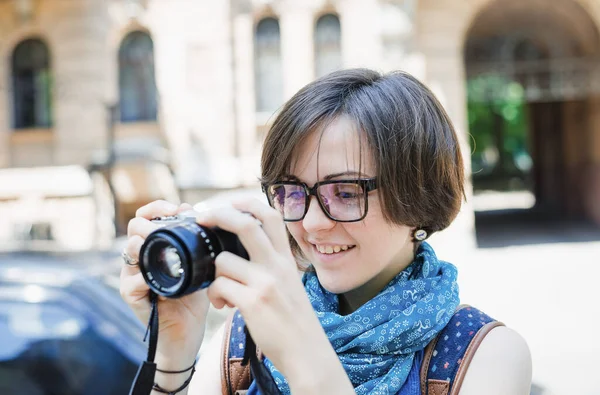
column 376, row 250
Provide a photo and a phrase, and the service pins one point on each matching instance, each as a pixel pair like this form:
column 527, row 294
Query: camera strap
column 144, row 379
column 264, row 380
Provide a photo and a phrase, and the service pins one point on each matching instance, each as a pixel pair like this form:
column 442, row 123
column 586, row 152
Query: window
column 137, row 86
column 267, row 65
column 328, row 49
column 32, row 85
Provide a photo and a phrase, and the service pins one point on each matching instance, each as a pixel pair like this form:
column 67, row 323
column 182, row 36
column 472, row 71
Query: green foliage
column 488, row 97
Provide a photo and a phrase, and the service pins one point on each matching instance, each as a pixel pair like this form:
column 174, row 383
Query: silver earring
column 420, row 234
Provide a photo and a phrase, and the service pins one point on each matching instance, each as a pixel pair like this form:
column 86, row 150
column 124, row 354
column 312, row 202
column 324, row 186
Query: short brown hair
column 419, row 167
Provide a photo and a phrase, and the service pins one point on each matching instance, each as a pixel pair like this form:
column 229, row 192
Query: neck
column 350, row 301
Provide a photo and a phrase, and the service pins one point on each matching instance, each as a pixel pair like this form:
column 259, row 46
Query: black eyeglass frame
column 367, row 184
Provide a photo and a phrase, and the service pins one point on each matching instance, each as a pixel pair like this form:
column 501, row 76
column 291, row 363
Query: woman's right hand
column 181, row 320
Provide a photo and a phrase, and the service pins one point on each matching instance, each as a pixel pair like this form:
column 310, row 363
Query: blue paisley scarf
column 377, row 343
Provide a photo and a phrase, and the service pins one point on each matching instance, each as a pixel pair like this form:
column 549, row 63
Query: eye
column 347, row 191
column 295, row 195
column 347, row 195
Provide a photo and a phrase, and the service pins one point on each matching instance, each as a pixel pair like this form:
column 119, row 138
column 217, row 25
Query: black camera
column 179, row 258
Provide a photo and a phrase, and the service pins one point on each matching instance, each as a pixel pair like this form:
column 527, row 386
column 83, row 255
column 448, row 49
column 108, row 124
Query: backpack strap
column 235, row 378
column 448, row 355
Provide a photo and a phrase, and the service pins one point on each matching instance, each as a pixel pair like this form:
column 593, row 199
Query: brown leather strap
column 235, row 378
column 425, row 365
column 225, row 373
column 437, row 387
column 239, row 375
column 473, row 346
column 427, row 358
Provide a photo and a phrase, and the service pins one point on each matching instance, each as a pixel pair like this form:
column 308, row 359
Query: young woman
column 359, row 169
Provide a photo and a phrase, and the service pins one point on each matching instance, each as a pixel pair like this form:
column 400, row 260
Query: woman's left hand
column 269, row 293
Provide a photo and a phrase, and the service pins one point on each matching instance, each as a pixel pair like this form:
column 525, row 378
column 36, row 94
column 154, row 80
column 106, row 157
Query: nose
column 315, row 219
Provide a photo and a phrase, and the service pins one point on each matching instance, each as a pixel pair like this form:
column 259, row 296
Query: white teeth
column 331, row 249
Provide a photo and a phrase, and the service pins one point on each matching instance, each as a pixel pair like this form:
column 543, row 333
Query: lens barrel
column 179, row 259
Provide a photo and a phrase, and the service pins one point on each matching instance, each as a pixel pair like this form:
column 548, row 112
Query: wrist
column 321, row 378
column 173, row 381
column 317, row 370
column 177, row 355
column 175, row 361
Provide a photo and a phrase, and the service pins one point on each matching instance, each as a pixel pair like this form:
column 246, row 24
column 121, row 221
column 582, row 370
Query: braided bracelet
column 158, row 388
column 176, row 371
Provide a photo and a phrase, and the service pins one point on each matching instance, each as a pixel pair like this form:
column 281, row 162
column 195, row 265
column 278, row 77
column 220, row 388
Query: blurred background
column 106, row 105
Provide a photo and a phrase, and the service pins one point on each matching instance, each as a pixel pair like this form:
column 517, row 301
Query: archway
column 533, row 83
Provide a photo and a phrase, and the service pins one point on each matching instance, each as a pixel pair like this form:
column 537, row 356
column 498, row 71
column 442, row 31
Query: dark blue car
column 64, row 329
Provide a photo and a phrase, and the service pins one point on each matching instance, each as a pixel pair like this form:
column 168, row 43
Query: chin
column 332, row 282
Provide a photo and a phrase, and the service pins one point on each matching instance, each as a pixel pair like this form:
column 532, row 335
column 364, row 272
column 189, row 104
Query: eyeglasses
column 340, row 200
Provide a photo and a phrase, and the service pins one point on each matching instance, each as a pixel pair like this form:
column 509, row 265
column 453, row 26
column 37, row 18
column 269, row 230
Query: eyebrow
column 331, row 176
column 345, row 173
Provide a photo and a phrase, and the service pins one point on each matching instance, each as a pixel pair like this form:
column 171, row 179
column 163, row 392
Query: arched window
column 267, row 65
column 328, row 47
column 137, row 86
column 32, row 85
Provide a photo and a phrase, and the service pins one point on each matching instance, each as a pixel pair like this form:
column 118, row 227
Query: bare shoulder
column 208, row 382
column 501, row 365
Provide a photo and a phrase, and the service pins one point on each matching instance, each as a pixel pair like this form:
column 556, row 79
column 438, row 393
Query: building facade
column 196, row 83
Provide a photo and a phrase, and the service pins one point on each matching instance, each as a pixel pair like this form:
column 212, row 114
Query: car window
column 53, row 348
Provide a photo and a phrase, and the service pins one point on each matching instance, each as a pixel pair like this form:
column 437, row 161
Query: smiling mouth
column 332, row 249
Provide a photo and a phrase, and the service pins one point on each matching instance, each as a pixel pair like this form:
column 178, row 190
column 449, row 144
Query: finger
column 133, row 288
column 157, row 208
column 142, row 227
column 246, row 227
column 218, row 303
column 234, row 267
column 185, row 207
column 272, row 222
column 134, row 244
column 225, row 291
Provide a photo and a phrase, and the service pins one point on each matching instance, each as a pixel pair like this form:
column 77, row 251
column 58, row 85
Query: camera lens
column 163, row 261
column 169, row 263
column 178, row 259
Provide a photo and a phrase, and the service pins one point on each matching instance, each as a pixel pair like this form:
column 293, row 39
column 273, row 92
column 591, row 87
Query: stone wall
column 204, row 73
column 204, row 59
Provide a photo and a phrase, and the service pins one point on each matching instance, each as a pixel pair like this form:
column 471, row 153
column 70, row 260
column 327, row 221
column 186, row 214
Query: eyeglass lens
column 342, row 201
